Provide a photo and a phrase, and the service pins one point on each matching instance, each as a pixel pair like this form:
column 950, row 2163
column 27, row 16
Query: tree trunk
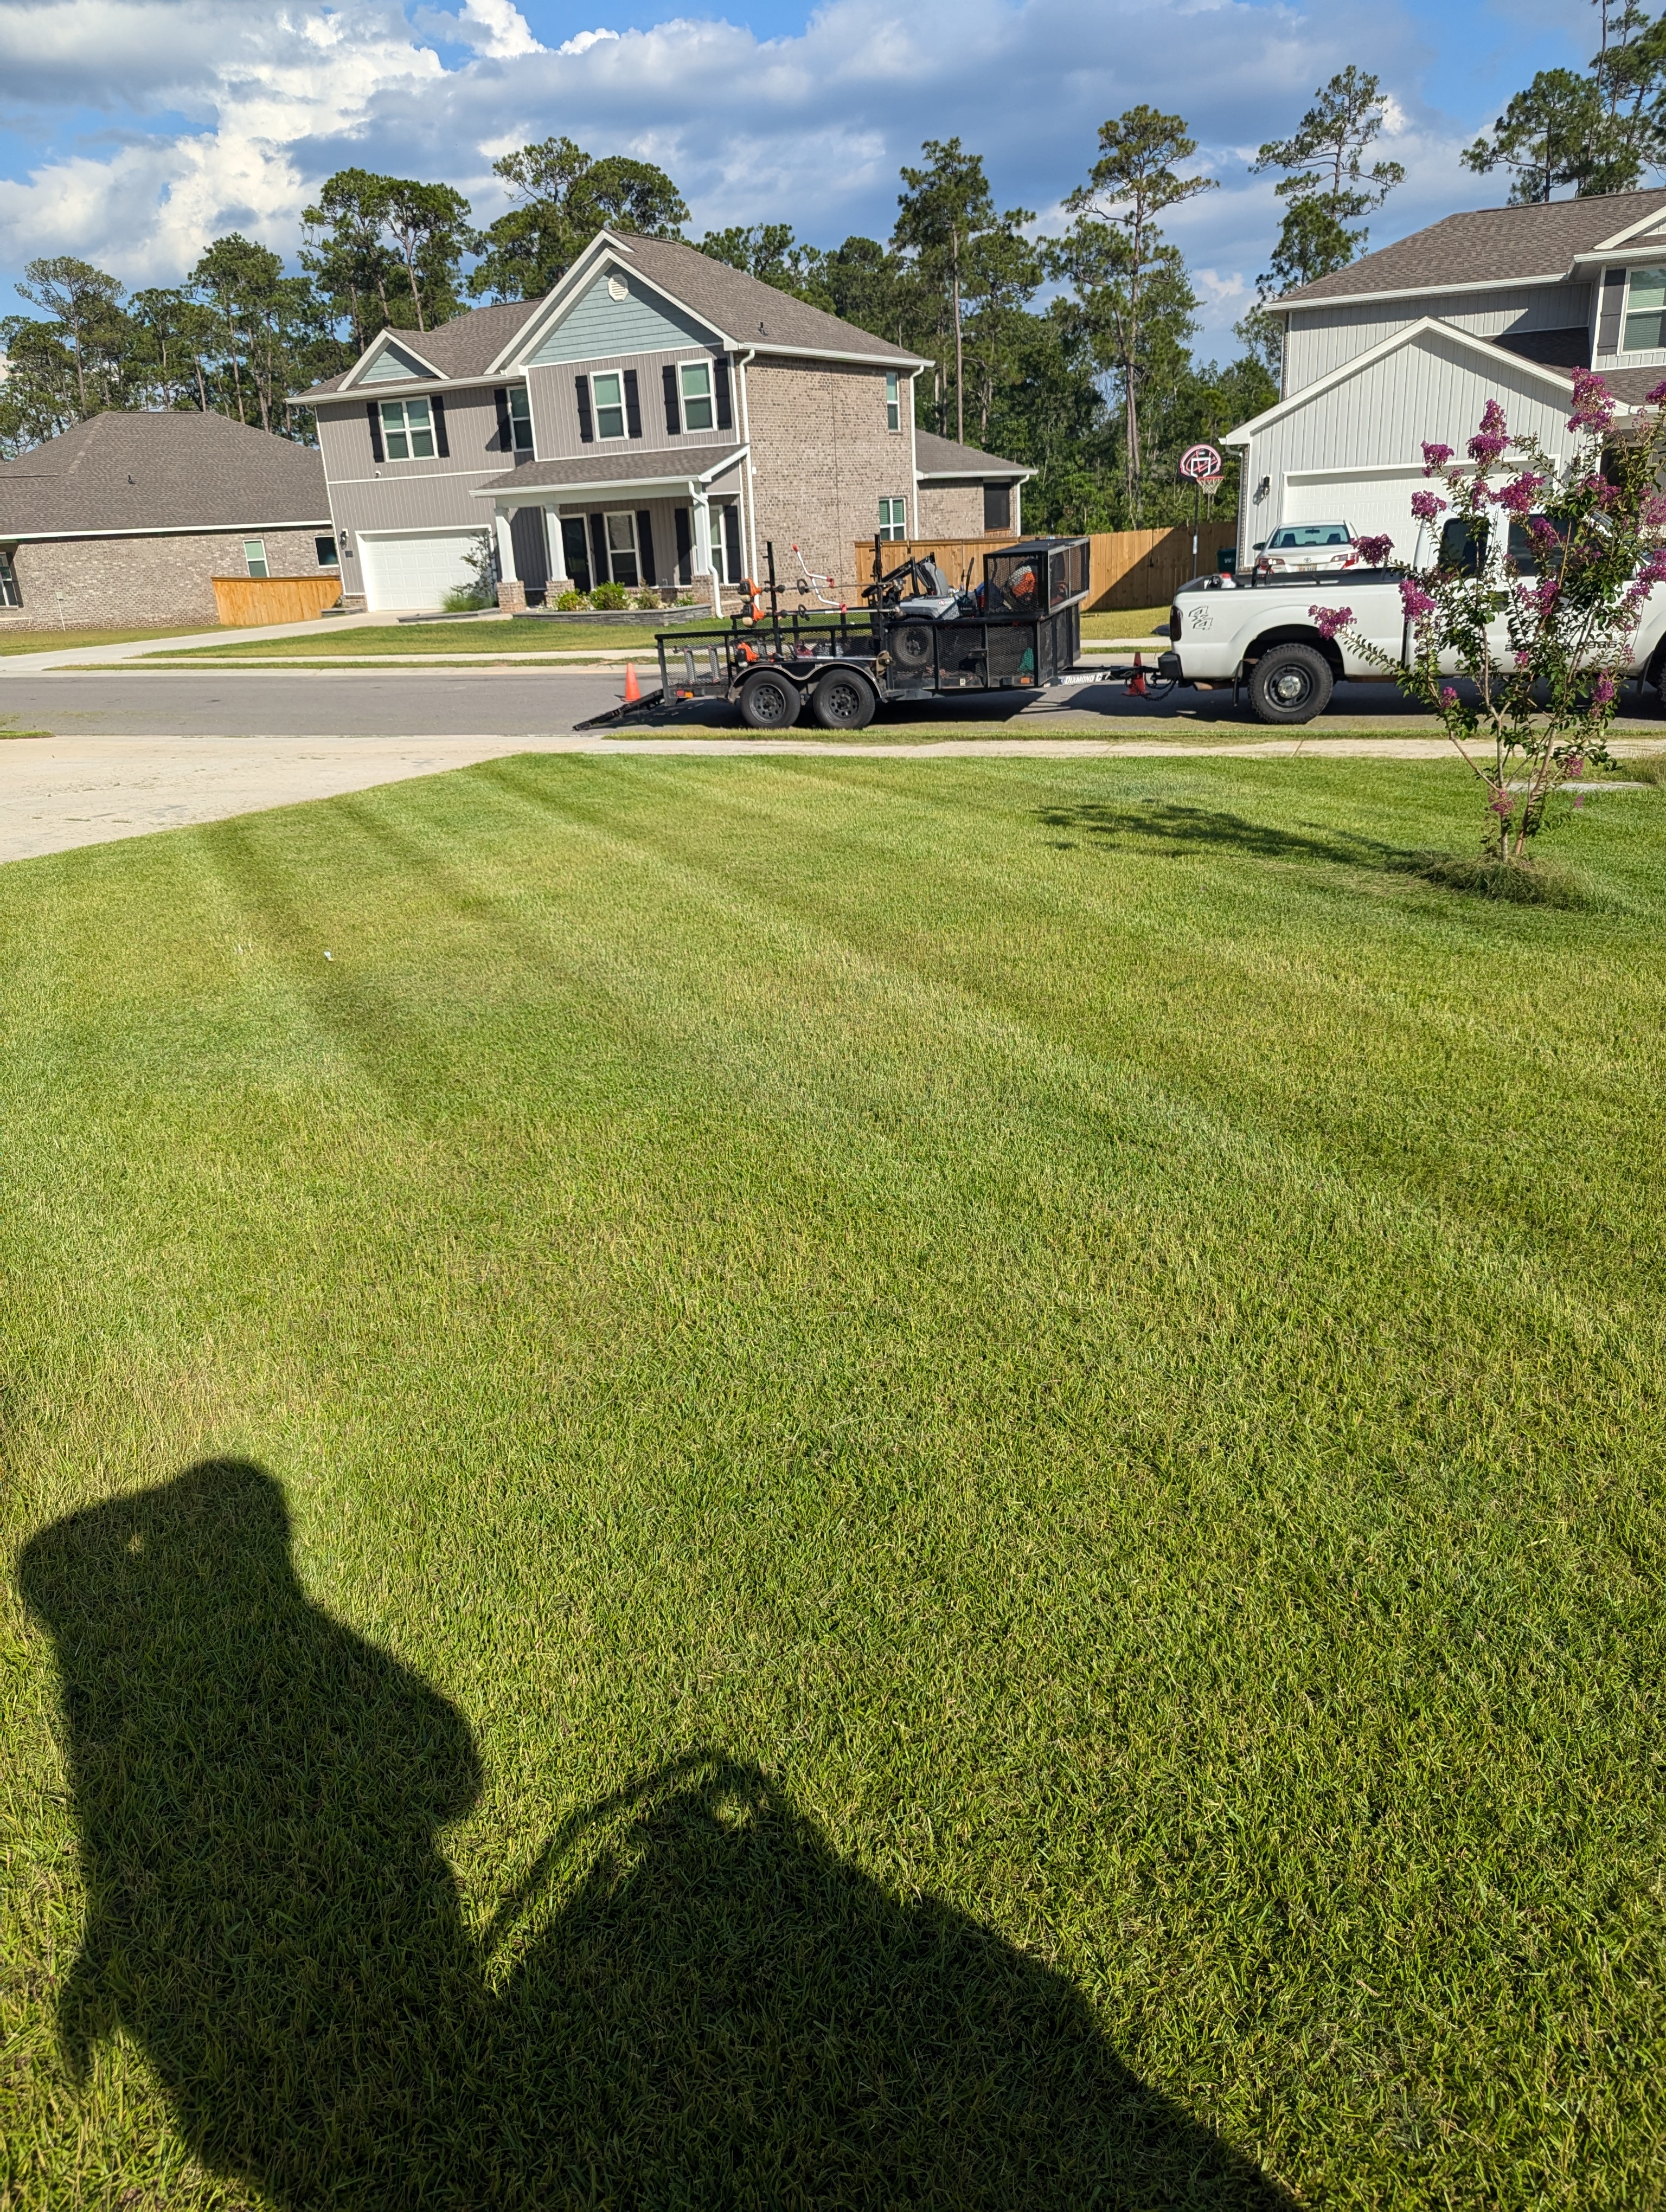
column 959, row 379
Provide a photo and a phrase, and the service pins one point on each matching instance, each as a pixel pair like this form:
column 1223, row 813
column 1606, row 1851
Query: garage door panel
column 1372, row 506
column 416, row 570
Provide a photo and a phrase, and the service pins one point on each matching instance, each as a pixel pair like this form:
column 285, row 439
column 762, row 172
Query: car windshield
column 1308, row 534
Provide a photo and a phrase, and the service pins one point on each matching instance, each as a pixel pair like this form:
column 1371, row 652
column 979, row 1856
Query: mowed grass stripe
column 1117, row 1360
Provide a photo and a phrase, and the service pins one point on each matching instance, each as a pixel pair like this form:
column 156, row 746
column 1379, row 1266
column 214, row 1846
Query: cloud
column 223, row 113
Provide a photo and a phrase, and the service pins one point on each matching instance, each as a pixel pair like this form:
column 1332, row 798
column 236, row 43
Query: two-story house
column 657, row 419
column 1410, row 343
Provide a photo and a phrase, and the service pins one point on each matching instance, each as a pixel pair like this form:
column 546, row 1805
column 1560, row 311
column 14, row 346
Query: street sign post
column 1202, row 467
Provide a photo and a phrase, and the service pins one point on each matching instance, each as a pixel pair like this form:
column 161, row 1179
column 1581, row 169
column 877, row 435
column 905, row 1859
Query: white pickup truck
column 1263, row 635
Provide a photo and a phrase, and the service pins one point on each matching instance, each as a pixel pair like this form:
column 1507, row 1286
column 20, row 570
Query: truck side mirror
column 1260, row 545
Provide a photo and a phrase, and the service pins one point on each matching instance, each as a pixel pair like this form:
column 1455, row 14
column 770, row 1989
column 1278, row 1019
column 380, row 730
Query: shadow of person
column 690, row 2001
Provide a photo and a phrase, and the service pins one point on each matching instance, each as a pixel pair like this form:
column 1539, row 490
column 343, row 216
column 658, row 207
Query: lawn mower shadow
column 690, row 2000
column 1167, row 827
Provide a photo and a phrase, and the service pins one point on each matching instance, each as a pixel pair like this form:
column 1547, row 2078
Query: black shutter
column 645, row 546
column 684, row 547
column 575, row 550
column 373, row 416
column 1608, row 326
column 732, row 538
column 582, row 391
column 633, row 405
column 673, row 416
column 598, row 548
column 506, row 436
column 441, row 443
column 725, row 413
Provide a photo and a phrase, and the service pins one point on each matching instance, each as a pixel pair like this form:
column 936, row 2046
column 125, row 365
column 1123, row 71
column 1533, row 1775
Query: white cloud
column 230, row 115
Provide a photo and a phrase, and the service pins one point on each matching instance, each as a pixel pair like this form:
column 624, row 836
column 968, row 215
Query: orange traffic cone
column 633, row 689
column 1136, row 682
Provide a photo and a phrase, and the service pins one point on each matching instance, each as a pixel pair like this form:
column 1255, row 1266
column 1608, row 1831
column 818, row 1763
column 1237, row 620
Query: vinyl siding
column 555, row 409
column 393, row 367
column 1378, row 419
column 599, row 327
column 413, row 495
column 1321, row 339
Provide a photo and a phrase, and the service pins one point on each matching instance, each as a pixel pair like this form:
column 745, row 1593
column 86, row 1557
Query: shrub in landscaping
column 613, row 598
column 572, row 603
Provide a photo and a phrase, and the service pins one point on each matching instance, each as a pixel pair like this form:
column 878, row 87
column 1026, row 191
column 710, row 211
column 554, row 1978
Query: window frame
column 894, row 524
column 262, row 574
column 1657, row 344
column 633, row 553
column 600, row 408
column 691, row 399
column 400, row 422
column 521, row 418
column 332, row 559
column 11, row 592
column 893, row 400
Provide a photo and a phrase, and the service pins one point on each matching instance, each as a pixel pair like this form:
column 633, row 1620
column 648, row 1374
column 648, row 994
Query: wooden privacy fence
column 244, row 602
column 1126, row 567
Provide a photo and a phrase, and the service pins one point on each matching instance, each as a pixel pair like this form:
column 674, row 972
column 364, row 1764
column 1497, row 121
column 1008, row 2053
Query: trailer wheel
column 842, row 701
column 769, row 701
column 912, row 645
column 1290, row 684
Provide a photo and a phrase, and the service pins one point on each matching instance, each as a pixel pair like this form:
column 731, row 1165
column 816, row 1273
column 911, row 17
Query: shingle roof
column 942, row 457
column 164, row 472
column 661, row 464
column 748, row 311
column 465, row 346
column 1498, row 245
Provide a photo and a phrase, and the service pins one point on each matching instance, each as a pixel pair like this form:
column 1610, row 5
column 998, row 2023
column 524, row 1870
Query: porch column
column 702, row 544
column 557, row 556
column 506, row 550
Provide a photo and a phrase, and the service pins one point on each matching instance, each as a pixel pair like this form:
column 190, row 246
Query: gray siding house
column 655, row 420
column 1410, row 343
column 125, row 520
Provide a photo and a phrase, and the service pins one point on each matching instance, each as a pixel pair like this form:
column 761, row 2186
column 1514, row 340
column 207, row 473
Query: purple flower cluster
column 1602, row 694
column 1654, row 511
column 1516, row 498
column 1493, row 436
column 1373, row 551
column 1329, row 620
column 1653, row 399
column 1574, row 765
column 1435, row 457
column 1414, row 599
column 1424, row 505
column 1593, row 403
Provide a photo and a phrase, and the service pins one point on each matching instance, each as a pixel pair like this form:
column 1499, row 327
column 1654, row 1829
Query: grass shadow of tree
column 711, row 2007
column 1166, row 826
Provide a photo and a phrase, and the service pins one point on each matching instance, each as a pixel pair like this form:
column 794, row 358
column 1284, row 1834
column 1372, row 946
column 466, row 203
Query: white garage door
column 409, row 569
column 1372, row 502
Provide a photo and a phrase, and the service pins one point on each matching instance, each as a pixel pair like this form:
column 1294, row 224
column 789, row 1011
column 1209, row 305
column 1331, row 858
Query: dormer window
column 1645, row 311
column 407, row 429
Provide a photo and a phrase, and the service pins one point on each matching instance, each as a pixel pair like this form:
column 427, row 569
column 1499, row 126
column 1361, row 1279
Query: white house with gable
column 1409, row 343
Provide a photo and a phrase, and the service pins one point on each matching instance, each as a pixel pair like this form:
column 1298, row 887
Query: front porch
column 619, row 518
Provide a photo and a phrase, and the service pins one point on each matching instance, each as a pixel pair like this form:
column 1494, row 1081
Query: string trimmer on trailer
column 917, row 638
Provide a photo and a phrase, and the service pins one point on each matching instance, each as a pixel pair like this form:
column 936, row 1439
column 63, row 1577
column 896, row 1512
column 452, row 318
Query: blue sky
column 132, row 131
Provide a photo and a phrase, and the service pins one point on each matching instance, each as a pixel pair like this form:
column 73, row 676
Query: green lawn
column 59, row 640
column 325, row 642
column 1136, row 622
column 832, row 1483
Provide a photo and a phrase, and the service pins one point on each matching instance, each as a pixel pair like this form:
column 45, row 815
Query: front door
column 576, row 549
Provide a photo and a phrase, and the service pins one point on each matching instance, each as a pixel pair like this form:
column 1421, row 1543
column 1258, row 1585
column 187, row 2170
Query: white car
column 1302, row 549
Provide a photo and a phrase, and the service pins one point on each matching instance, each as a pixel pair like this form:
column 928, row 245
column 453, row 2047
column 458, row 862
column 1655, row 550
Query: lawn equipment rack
column 917, row 638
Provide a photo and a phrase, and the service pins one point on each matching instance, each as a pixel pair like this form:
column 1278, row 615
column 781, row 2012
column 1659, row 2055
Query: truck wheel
column 842, row 701
column 1291, row 683
column 769, row 701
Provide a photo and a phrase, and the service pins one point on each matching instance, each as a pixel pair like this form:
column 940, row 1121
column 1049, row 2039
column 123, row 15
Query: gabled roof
column 1488, row 246
column 740, row 310
column 936, row 456
column 466, row 346
column 1489, row 359
column 119, row 472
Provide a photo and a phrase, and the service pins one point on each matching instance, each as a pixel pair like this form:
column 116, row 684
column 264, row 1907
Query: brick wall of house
column 822, row 458
column 131, row 583
column 948, row 511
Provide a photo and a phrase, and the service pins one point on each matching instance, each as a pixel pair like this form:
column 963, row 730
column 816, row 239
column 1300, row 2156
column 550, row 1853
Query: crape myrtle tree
column 1544, row 657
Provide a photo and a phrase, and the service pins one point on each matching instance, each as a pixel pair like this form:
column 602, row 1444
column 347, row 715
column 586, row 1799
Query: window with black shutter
column 673, row 416
column 506, row 436
column 725, row 412
column 582, row 393
column 633, row 405
column 374, row 417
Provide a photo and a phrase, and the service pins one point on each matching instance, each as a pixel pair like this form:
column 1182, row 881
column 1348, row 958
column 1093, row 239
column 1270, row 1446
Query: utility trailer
column 917, row 638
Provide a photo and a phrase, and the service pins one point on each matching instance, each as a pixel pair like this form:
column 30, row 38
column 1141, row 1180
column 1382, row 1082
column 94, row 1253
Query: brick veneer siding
column 949, row 511
column 133, row 583
column 823, row 459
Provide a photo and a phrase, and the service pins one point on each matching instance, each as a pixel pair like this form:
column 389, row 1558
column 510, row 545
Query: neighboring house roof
column 935, row 457
column 120, row 474
column 466, row 346
column 588, row 471
column 1486, row 246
